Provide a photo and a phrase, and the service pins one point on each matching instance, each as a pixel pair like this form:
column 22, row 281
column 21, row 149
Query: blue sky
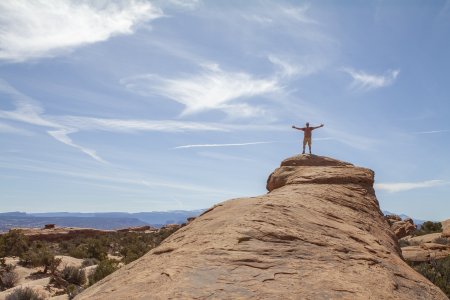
column 163, row 105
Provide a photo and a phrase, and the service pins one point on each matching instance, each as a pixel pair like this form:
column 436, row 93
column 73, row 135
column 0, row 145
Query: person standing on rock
column 307, row 135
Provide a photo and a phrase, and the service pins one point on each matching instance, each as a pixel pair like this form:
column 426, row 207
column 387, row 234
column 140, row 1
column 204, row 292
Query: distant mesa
column 102, row 221
column 53, row 233
column 318, row 234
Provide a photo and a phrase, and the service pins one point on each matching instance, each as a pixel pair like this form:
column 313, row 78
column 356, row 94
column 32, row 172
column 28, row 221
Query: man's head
column 307, row 124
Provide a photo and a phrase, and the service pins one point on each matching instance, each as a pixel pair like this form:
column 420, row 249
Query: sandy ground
column 29, row 277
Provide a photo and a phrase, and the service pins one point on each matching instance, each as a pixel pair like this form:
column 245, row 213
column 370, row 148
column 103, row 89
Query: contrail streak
column 220, row 145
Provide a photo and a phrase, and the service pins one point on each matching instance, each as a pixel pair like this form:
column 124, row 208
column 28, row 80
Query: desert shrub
column 13, row 243
column 8, row 277
column 429, row 227
column 24, row 294
column 104, row 268
column 73, row 275
column 89, row 262
column 8, row 280
column 134, row 246
column 40, row 256
column 437, row 271
column 73, row 290
column 96, row 249
column 442, row 241
column 88, row 248
column 78, row 251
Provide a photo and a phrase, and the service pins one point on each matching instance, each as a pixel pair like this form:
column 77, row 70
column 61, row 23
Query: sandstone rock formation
column 446, row 228
column 425, row 252
column 426, row 247
column 422, row 239
column 400, row 227
column 318, row 234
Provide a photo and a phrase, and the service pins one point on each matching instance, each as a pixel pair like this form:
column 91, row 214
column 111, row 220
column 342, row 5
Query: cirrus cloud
column 210, row 89
column 364, row 81
column 406, row 186
column 32, row 29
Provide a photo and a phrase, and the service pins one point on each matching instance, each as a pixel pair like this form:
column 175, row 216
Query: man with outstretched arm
column 307, row 135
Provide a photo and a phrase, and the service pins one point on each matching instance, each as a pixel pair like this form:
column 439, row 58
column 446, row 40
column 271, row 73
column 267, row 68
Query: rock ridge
column 318, row 234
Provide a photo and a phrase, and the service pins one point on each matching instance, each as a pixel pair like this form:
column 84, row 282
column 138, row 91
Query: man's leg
column 304, row 145
column 309, row 146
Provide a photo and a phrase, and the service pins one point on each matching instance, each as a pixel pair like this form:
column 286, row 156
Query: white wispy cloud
column 187, row 4
column 40, row 28
column 135, row 125
column 62, row 136
column 433, row 131
column 364, row 81
column 280, row 12
column 406, row 186
column 287, row 68
column 296, row 66
column 29, row 111
column 220, row 145
column 6, row 128
column 210, row 89
column 298, row 13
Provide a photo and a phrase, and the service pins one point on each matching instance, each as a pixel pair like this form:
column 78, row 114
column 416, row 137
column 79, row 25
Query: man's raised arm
column 298, row 128
column 321, row 125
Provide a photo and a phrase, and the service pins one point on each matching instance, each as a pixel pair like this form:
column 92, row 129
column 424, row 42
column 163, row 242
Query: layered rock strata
column 401, row 228
column 318, row 234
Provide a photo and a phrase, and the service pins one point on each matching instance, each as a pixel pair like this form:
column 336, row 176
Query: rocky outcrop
column 421, row 239
column 425, row 252
column 446, row 228
column 401, row 228
column 425, row 248
column 318, row 234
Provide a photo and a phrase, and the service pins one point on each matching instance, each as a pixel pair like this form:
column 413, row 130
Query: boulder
column 401, row 228
column 446, row 228
column 421, row 239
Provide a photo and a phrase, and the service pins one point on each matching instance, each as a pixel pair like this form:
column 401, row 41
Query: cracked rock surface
column 318, row 234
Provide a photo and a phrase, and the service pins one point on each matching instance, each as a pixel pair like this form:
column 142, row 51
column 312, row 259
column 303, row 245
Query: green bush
column 24, row 294
column 104, row 268
column 134, row 247
column 89, row 262
column 73, row 275
column 437, row 271
column 40, row 256
column 96, row 249
column 73, row 290
column 88, row 248
column 13, row 243
column 8, row 279
column 429, row 227
column 78, row 251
